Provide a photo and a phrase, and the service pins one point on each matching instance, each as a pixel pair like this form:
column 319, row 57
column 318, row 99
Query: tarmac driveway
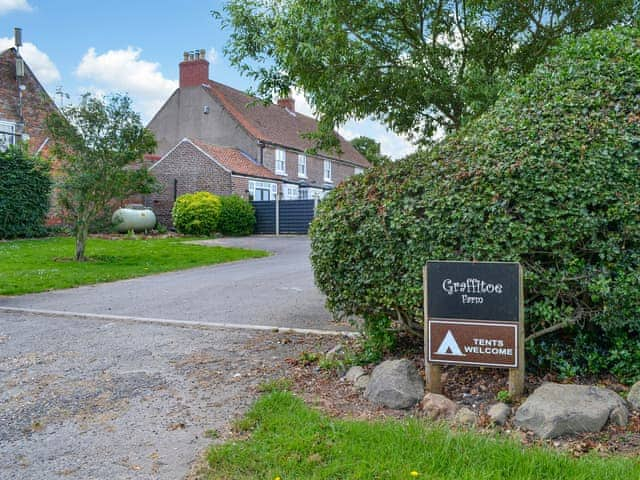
column 276, row 291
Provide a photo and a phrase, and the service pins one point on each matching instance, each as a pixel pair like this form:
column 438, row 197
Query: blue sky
column 134, row 47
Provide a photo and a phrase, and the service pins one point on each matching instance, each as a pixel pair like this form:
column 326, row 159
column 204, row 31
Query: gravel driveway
column 278, row 291
column 82, row 399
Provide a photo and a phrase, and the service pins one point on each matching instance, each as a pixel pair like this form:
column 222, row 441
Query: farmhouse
column 214, row 137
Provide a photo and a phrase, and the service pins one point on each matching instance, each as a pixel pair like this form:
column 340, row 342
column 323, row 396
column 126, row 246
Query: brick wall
column 194, row 172
column 36, row 103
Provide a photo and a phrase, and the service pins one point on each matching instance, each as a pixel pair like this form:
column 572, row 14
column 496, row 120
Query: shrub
column 237, row 216
column 548, row 177
column 196, row 213
column 25, row 187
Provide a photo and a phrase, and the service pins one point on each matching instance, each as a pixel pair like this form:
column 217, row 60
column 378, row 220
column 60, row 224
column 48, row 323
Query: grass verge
column 291, row 441
column 29, row 266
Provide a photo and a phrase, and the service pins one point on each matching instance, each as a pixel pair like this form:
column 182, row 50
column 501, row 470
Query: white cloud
column 7, row 6
column 123, row 71
column 37, row 60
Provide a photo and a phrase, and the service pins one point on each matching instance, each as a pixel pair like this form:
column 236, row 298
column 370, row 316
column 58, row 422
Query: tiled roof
column 274, row 124
column 235, row 160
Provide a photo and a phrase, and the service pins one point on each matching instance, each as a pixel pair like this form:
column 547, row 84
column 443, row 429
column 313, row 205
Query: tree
column 96, row 143
column 548, row 177
column 420, row 66
column 370, row 149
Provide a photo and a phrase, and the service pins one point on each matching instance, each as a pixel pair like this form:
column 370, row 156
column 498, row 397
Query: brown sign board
column 473, row 343
column 474, row 314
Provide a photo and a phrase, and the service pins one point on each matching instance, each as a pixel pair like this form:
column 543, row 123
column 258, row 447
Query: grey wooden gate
column 291, row 216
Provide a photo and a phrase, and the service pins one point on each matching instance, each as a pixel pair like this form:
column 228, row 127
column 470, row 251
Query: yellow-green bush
column 197, row 213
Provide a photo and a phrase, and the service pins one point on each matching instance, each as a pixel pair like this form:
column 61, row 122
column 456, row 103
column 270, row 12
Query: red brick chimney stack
column 194, row 69
column 289, row 103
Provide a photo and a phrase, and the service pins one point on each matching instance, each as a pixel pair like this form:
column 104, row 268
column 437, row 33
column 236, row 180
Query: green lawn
column 28, row 266
column 293, row 442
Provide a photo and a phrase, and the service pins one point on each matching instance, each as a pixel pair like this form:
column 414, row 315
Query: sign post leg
column 434, row 378
column 516, row 375
column 432, row 372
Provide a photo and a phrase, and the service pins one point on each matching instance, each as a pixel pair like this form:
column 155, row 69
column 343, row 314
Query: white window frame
column 272, row 187
column 327, row 170
column 302, row 166
column 291, row 192
column 7, row 134
column 281, row 162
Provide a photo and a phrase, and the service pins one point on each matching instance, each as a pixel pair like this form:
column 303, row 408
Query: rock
column 554, row 410
column 499, row 413
column 438, row 407
column 395, row 384
column 619, row 416
column 465, row 416
column 634, row 396
column 354, row 373
column 362, row 382
column 335, row 353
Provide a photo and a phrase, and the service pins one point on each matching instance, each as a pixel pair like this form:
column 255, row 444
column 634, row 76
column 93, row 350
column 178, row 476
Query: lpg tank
column 133, row 217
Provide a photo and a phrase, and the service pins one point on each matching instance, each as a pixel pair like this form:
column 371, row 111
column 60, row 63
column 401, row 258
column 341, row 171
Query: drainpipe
column 261, row 145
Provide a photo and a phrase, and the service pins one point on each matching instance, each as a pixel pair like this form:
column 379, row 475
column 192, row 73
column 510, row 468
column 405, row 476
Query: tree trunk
column 82, row 232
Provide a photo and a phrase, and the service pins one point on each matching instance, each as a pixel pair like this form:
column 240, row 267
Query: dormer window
column 7, row 134
column 281, row 162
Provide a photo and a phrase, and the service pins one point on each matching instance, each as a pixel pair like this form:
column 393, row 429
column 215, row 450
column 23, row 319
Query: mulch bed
column 475, row 388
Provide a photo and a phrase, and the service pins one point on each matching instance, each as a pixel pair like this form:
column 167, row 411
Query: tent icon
column 449, row 346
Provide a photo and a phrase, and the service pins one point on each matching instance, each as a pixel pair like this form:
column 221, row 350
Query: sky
column 134, row 47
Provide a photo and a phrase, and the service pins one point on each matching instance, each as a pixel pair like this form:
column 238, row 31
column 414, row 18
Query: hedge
column 548, row 177
column 237, row 216
column 25, row 188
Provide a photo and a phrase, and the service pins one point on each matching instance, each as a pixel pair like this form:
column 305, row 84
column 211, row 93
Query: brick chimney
column 194, row 69
column 289, row 103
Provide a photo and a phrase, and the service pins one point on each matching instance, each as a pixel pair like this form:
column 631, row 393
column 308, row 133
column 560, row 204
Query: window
column 262, row 191
column 291, row 192
column 327, row 170
column 302, row 166
column 7, row 134
column 357, row 171
column 281, row 163
column 304, row 194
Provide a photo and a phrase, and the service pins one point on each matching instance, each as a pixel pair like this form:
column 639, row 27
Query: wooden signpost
column 474, row 315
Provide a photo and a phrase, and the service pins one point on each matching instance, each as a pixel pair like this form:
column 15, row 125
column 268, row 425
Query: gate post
column 277, row 214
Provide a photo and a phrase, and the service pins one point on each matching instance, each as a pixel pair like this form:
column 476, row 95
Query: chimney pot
column 185, row 57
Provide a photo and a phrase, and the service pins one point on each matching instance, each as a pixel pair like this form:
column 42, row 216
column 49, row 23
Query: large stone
column 554, row 410
column 395, row 384
column 354, row 373
column 438, row 407
column 499, row 413
column 634, row 396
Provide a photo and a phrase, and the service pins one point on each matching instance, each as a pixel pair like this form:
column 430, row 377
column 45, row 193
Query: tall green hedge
column 549, row 177
column 25, row 188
